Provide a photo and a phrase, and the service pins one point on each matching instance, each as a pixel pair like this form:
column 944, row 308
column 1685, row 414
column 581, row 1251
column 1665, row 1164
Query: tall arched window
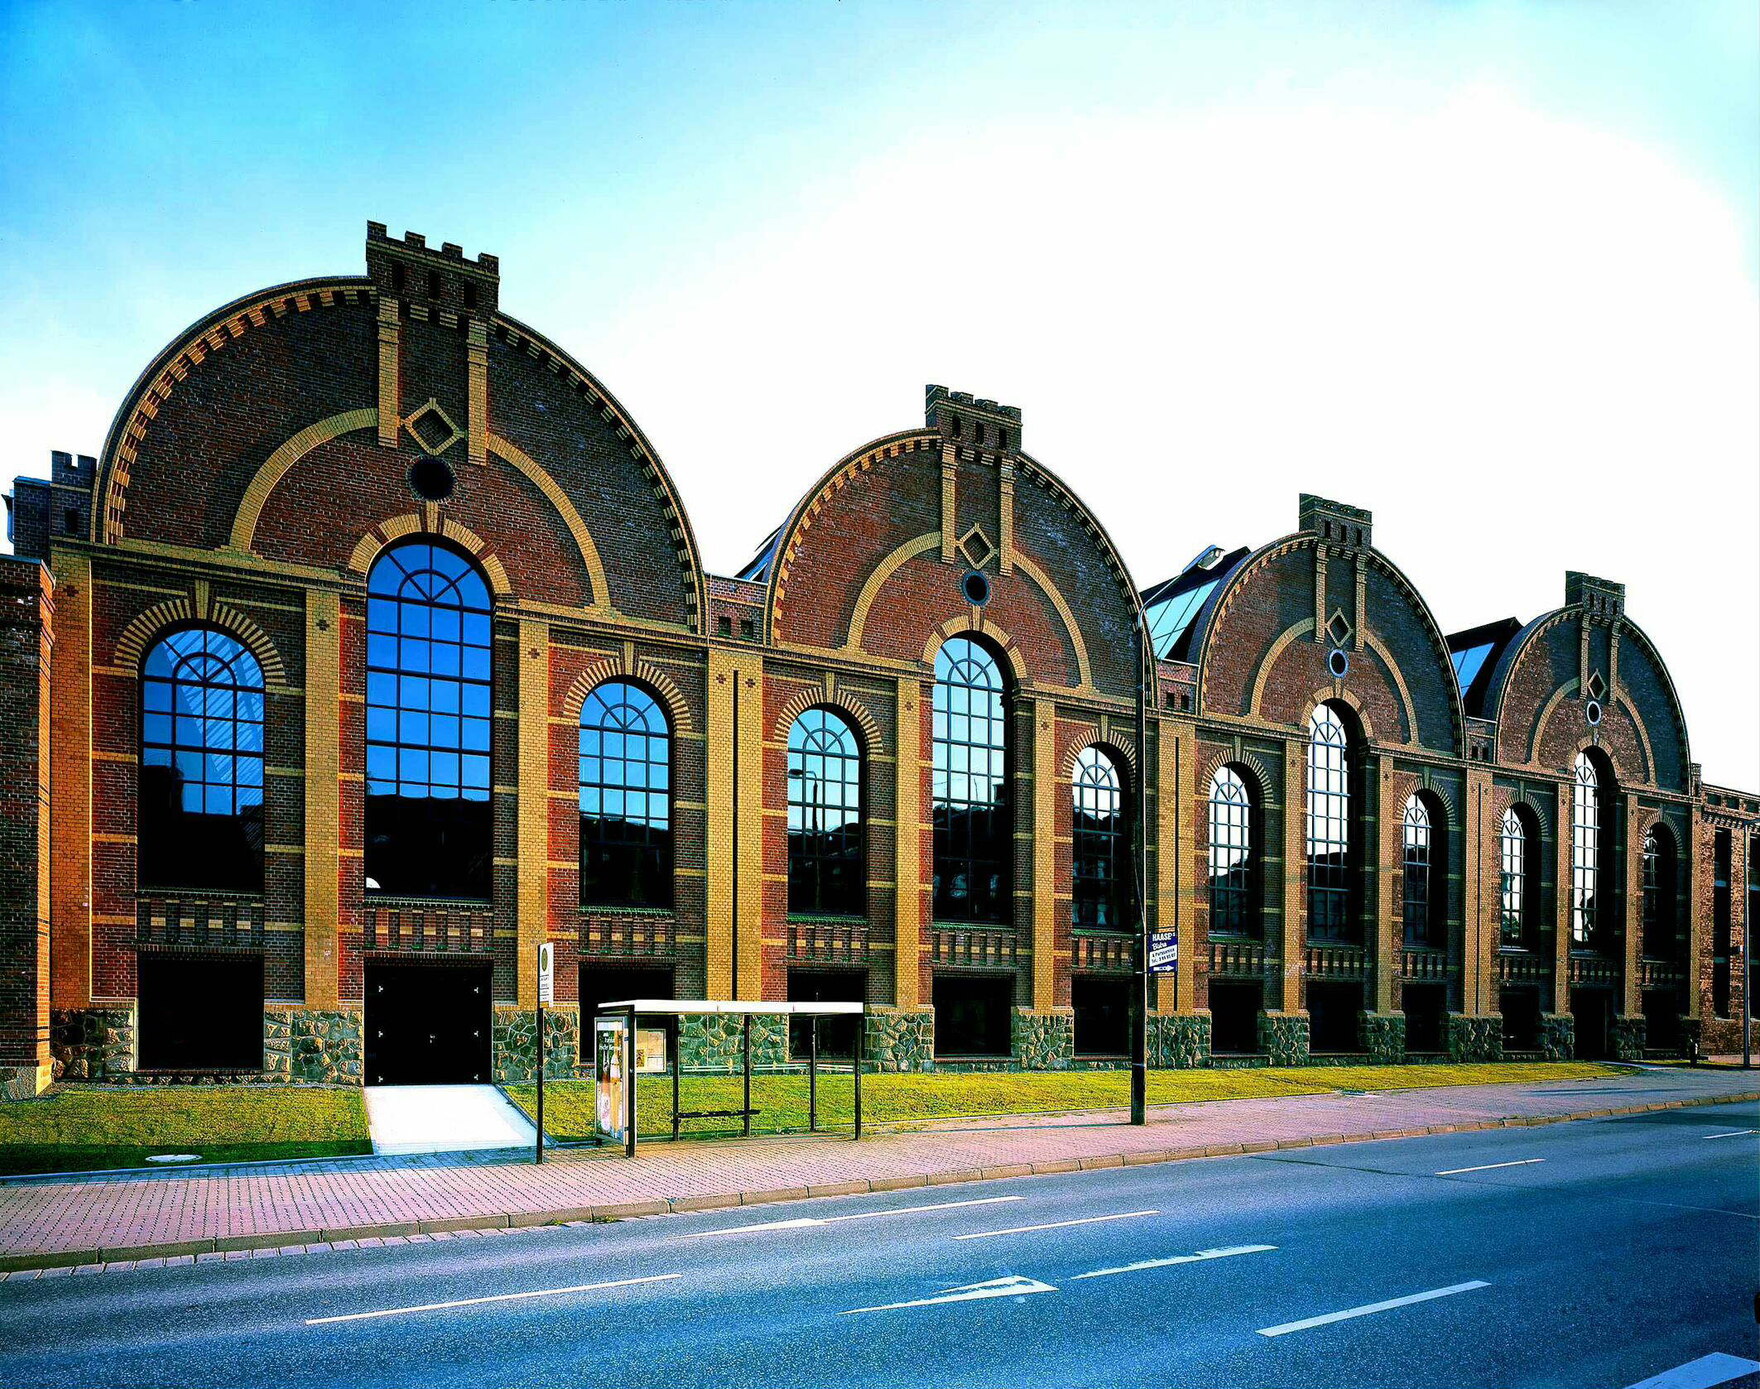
column 1329, row 827
column 626, row 798
column 825, row 860
column 1425, row 909
column 1233, row 873
column 1100, row 864
column 428, row 718
column 1586, row 855
column 1513, row 880
column 970, row 785
column 201, row 786
column 1659, row 890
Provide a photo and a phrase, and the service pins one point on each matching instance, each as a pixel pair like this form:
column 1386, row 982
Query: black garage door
column 201, row 1015
column 428, row 1024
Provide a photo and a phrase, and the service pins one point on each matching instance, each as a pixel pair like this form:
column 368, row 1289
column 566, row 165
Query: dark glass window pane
column 1423, row 879
column 970, row 786
column 1513, row 880
column 1234, row 909
column 201, row 783
column 826, row 873
column 428, row 653
column 626, row 827
column 1586, row 856
column 1100, row 878
column 1659, row 891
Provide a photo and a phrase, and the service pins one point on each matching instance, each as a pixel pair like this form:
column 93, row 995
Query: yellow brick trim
column 571, row 517
column 1072, row 628
column 876, row 581
column 395, row 528
column 275, row 467
column 532, row 891
column 323, row 808
column 618, row 667
column 131, row 646
column 839, row 699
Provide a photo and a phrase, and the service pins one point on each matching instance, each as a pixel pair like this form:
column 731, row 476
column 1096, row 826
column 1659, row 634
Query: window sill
column 1008, row 926
column 405, row 899
column 614, row 909
column 825, row 919
column 1234, row 938
column 228, row 894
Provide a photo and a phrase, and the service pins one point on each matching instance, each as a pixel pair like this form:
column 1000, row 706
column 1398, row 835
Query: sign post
column 546, row 995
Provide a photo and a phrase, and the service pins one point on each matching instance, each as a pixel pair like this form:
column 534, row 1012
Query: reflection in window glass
column 825, row 874
column 970, row 785
column 428, row 724
column 201, row 785
column 626, row 798
column 1232, row 909
column 1512, row 888
column 1329, row 827
column 1585, row 855
column 1422, row 895
column 1100, row 861
column 1659, row 890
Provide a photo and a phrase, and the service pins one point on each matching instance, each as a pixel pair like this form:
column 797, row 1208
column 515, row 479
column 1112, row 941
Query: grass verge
column 77, row 1129
column 903, row 1099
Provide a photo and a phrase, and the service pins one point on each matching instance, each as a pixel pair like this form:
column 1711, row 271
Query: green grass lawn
column 78, row 1129
column 905, row 1099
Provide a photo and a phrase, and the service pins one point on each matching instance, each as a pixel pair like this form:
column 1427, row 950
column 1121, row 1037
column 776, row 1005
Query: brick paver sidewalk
column 58, row 1221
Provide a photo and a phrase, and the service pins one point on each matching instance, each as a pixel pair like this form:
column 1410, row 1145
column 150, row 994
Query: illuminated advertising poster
column 612, row 1108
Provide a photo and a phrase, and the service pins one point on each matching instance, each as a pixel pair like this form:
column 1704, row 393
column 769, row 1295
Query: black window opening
column 625, row 798
column 1424, row 898
column 1425, row 1007
column 973, row 1013
column 200, row 1014
column 1102, row 1005
column 1521, row 1018
column 1101, row 882
column 1333, row 1011
column 615, row 983
column 1518, row 876
column 1234, row 868
column 837, row 1034
column 1592, row 1019
column 428, row 827
column 1331, row 831
column 1659, row 894
column 1662, row 1019
column 200, row 822
column 970, row 786
column 826, row 871
column 1234, row 1017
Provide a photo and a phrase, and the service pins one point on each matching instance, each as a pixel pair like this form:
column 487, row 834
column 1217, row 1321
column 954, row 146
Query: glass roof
column 1474, row 653
column 1173, row 607
column 1467, row 663
column 757, row 569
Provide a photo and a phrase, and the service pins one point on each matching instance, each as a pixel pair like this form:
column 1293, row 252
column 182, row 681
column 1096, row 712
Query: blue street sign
column 1163, row 952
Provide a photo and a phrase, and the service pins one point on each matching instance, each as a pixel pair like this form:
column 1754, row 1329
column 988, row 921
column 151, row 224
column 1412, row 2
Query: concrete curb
column 222, row 1246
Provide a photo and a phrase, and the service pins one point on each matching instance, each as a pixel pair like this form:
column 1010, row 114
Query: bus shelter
column 624, row 1051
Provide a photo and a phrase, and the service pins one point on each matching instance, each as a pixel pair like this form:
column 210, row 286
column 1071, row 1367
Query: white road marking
column 1199, row 1257
column 1013, row 1286
column 1707, row 1370
column 499, row 1297
column 805, row 1221
column 1307, row 1323
column 1057, row 1224
column 1739, row 1133
column 1489, row 1167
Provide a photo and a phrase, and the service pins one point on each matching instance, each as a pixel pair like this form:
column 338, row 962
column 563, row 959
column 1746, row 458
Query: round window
column 1592, row 712
column 977, row 589
column 1339, row 664
column 432, row 479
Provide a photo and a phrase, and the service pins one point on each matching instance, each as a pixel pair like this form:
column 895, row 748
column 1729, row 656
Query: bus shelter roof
column 683, row 1007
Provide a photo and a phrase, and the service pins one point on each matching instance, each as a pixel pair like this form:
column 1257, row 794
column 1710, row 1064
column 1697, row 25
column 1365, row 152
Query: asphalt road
column 1596, row 1253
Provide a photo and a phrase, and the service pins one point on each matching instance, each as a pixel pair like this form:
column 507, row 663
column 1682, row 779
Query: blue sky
column 1488, row 269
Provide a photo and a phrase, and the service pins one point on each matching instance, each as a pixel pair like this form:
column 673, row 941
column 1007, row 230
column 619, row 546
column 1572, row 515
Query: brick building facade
column 375, row 650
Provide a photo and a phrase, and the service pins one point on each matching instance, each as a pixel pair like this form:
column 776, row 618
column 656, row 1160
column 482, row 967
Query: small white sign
column 546, row 974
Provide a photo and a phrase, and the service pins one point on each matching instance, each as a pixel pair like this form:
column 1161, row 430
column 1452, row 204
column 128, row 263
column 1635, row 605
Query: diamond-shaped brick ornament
column 1597, row 686
column 976, row 547
column 432, row 428
column 1338, row 627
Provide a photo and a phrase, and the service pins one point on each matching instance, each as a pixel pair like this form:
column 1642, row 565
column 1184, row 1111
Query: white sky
column 1489, row 271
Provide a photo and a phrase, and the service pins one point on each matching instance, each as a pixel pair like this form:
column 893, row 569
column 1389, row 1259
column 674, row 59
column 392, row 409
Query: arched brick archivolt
column 994, row 637
column 844, row 703
column 1091, row 737
column 639, row 672
column 429, row 522
column 1348, row 698
column 141, row 634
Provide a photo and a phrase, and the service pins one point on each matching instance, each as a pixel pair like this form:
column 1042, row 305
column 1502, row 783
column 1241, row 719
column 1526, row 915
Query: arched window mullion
column 1100, row 854
column 1232, row 857
column 1421, row 905
column 826, row 858
column 1331, row 915
column 625, row 798
column 1587, row 813
column 1514, row 880
column 200, row 821
column 973, row 836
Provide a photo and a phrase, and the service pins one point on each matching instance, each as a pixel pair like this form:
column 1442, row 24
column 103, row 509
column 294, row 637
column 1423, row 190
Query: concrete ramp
column 443, row 1119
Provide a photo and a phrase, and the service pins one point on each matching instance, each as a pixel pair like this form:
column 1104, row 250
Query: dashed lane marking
column 1199, row 1257
column 1490, row 1167
column 498, row 1297
column 1707, row 1370
column 1057, row 1224
column 807, row 1221
column 1739, row 1133
column 1012, row 1286
column 1309, row 1323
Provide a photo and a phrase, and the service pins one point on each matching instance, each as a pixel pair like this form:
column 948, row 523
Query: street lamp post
column 1139, row 866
